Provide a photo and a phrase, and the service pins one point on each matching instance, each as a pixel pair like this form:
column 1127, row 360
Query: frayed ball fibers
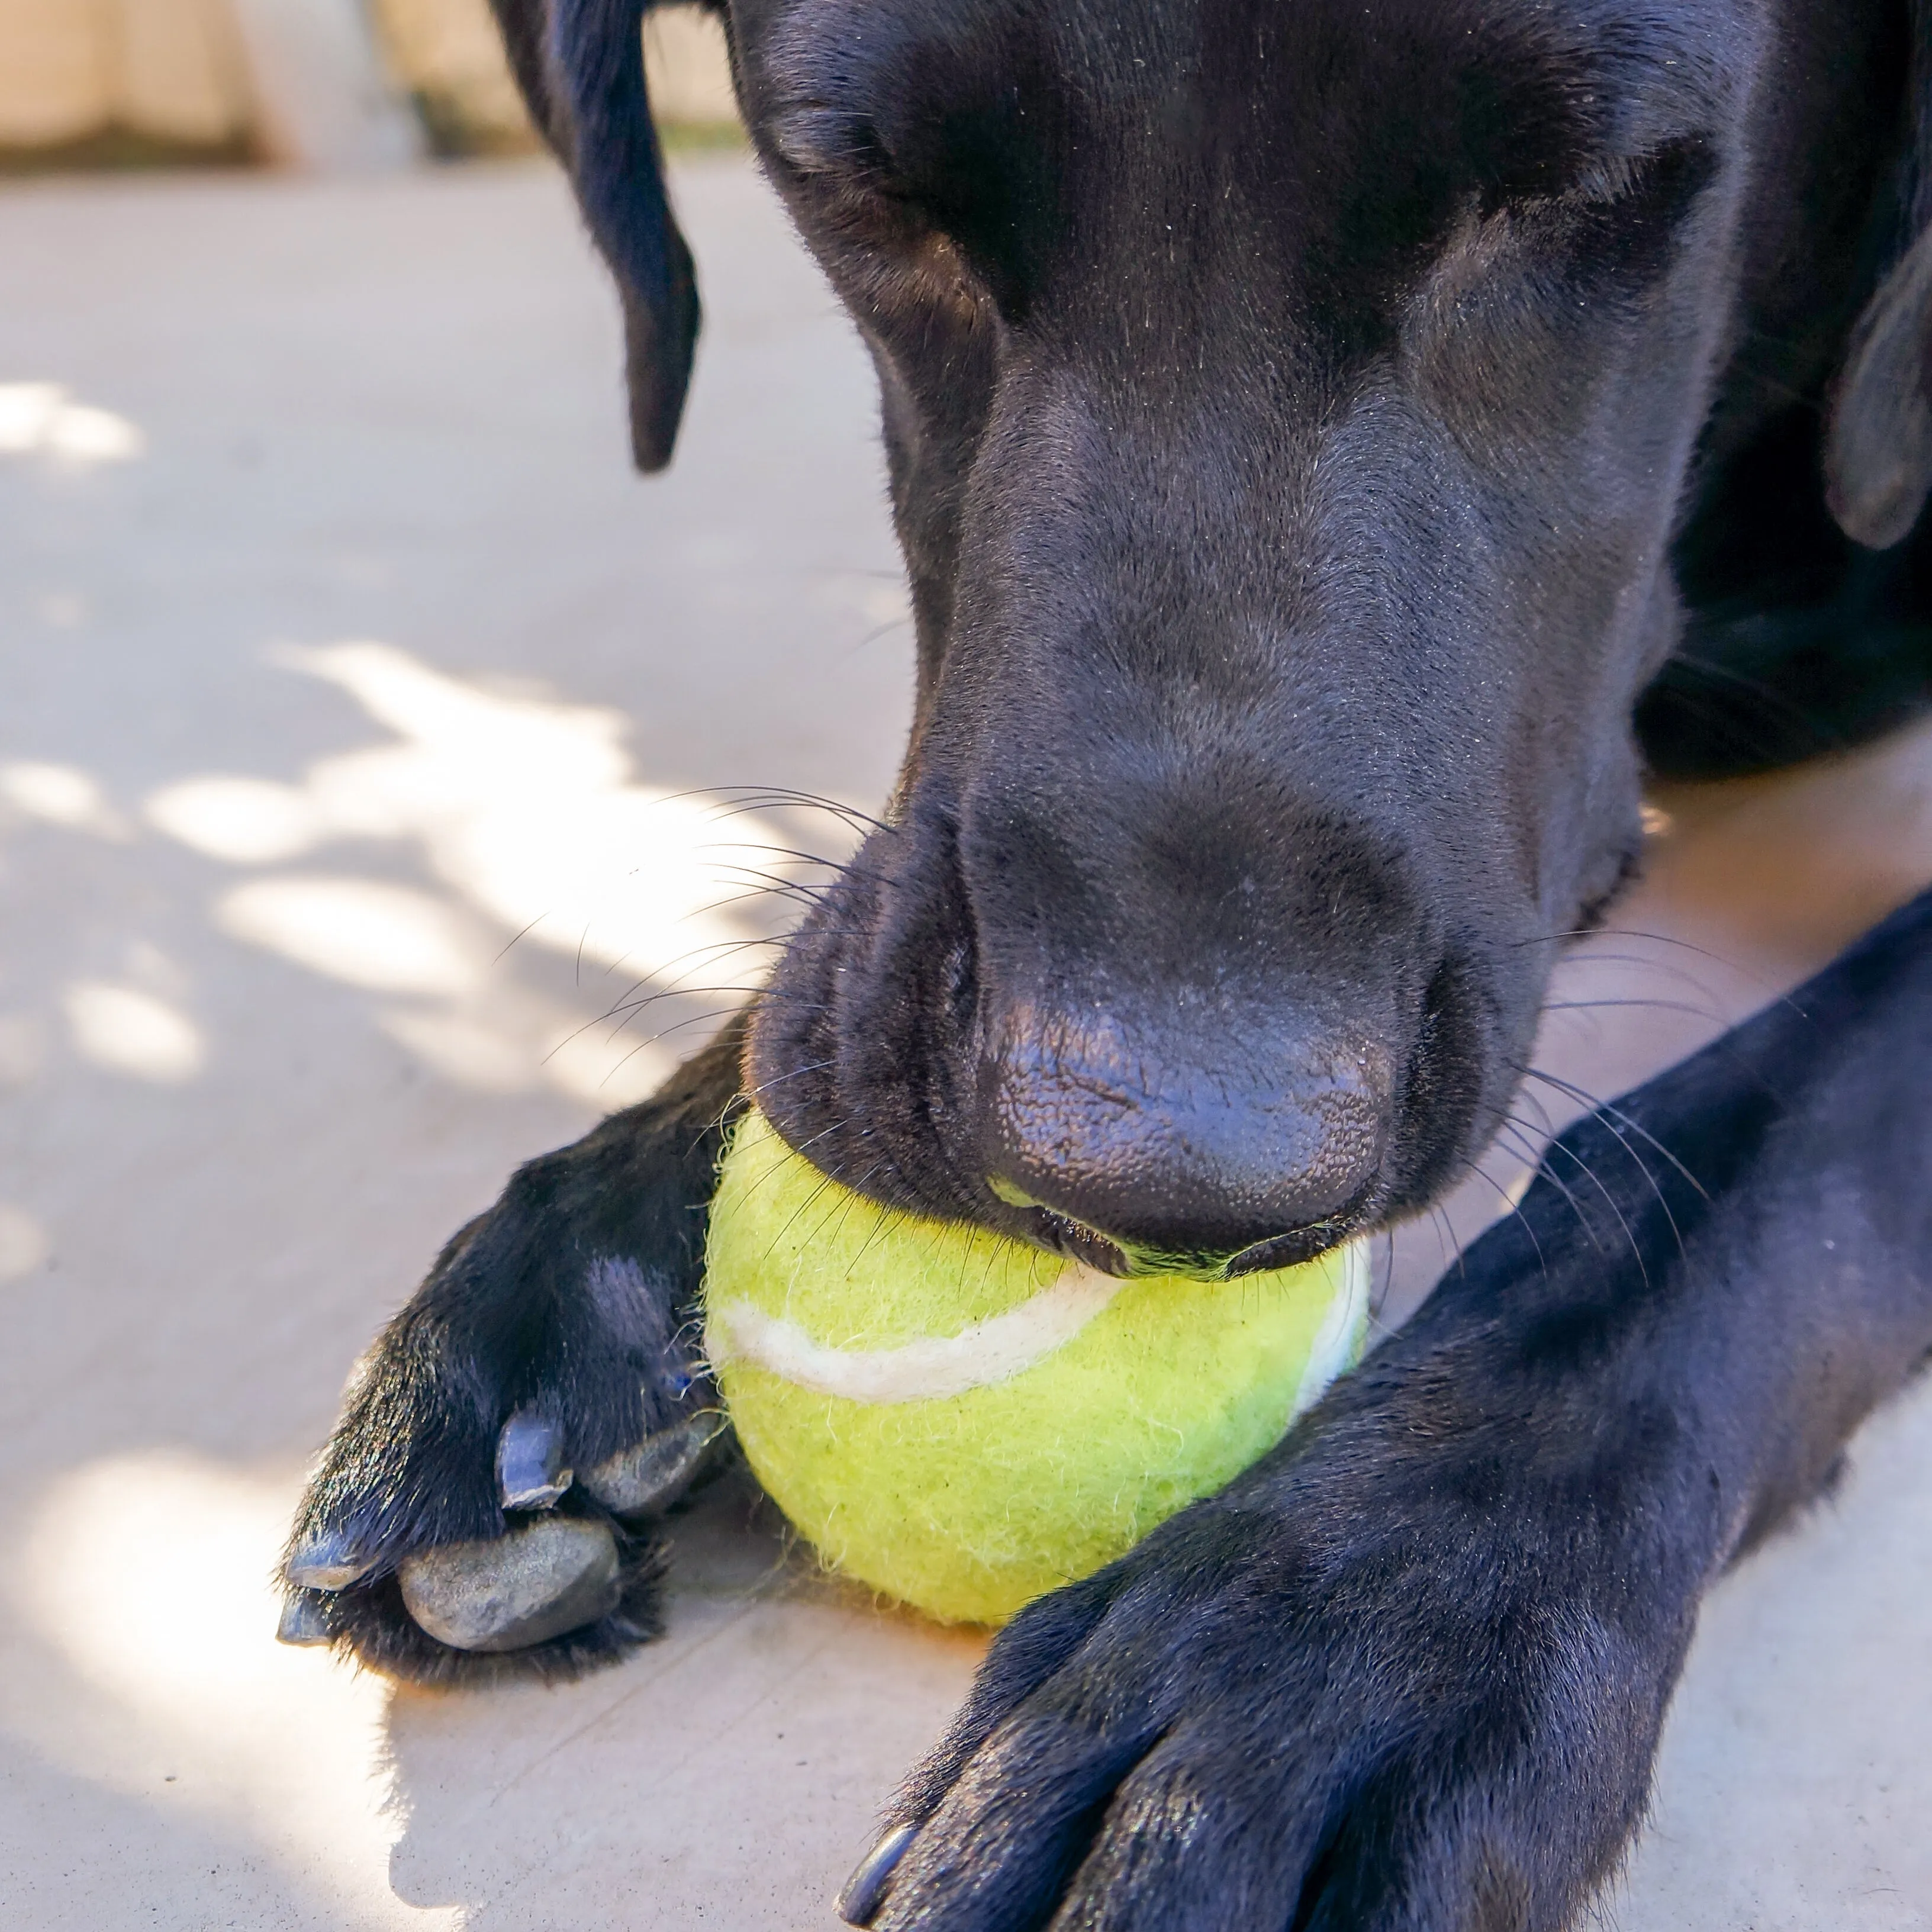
column 964, row 1422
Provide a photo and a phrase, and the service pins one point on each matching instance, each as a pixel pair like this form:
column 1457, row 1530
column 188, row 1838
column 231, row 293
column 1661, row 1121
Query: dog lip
column 1296, row 1247
column 1061, row 1234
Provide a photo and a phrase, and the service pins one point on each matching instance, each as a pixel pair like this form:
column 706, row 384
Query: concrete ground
column 358, row 703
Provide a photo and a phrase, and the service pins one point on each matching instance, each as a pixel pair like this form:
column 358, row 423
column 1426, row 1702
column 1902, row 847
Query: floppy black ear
column 581, row 64
column 1878, row 442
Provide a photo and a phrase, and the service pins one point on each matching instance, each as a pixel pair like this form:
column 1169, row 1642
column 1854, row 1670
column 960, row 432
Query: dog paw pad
column 552, row 1575
column 651, row 1476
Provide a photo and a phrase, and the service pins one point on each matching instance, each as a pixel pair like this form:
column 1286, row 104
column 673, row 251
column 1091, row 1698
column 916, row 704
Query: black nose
column 1190, row 1170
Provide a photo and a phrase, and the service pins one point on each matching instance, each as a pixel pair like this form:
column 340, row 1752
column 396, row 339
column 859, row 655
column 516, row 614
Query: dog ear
column 580, row 65
column 1878, row 440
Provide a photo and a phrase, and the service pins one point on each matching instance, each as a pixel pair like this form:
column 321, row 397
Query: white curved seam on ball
column 992, row 1351
column 998, row 1348
column 1334, row 1346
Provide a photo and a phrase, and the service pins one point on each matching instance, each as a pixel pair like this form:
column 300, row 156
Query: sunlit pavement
column 361, row 833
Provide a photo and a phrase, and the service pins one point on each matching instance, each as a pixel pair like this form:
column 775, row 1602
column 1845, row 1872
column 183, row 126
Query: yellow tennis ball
column 963, row 1421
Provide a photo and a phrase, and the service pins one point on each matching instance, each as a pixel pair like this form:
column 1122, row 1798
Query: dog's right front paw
column 439, row 1542
column 486, row 1503
column 568, row 1579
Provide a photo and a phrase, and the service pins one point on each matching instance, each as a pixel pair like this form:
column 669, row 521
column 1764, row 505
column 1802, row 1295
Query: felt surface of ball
column 964, row 1422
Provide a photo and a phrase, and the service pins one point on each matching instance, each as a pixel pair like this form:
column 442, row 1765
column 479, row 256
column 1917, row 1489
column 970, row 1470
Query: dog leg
column 1410, row 1671
column 483, row 1505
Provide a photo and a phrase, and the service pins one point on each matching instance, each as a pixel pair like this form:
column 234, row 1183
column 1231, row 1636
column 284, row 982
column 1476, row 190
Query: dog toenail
column 866, row 1890
column 304, row 1622
column 329, row 1562
column 530, row 1470
column 555, row 1574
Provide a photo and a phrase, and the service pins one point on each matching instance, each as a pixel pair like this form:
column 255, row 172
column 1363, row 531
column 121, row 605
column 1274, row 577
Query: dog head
column 1287, row 409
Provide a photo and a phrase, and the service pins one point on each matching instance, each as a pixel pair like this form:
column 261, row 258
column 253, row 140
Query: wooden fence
column 319, row 83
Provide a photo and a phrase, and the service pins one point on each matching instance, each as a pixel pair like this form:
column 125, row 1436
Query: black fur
column 1333, row 446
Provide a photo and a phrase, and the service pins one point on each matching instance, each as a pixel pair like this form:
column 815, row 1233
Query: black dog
column 1326, row 441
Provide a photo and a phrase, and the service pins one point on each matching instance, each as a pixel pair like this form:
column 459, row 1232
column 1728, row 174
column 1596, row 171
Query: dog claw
column 303, row 1622
column 641, row 1481
column 531, row 1473
column 551, row 1575
column 326, row 1562
column 864, row 1890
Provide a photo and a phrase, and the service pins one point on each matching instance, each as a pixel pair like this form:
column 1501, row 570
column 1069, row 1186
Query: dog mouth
column 1061, row 1233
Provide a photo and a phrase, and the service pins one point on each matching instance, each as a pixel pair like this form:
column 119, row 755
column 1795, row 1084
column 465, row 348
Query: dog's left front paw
column 1365, row 1689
